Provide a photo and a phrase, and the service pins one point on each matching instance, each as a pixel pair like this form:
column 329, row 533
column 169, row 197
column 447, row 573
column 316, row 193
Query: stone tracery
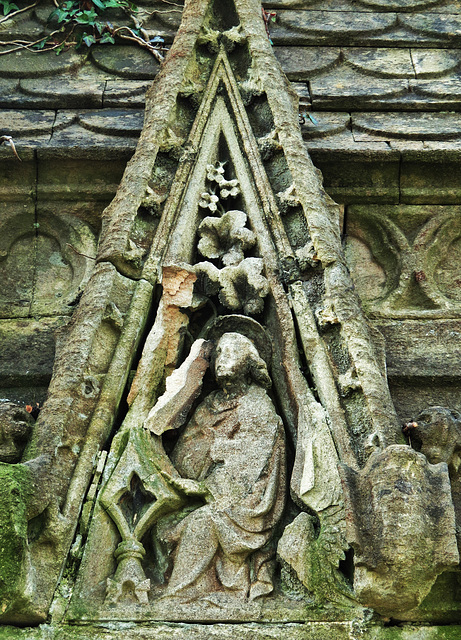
column 238, row 169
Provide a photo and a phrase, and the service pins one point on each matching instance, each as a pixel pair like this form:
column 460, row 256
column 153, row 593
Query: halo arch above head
column 246, row 326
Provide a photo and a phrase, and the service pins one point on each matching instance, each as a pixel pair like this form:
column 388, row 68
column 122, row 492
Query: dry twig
column 8, row 140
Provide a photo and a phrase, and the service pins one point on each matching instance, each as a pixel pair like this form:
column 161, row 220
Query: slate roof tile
column 391, row 58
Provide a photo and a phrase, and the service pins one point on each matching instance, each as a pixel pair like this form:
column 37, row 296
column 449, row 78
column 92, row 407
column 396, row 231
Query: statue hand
column 186, row 485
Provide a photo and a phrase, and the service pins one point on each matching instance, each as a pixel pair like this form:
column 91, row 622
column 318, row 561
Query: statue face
column 232, row 355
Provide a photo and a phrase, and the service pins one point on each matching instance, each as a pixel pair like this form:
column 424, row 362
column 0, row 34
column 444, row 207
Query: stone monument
column 219, row 449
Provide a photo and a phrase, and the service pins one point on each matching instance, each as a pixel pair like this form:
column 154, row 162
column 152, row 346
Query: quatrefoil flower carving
column 209, row 201
column 225, row 238
column 227, row 188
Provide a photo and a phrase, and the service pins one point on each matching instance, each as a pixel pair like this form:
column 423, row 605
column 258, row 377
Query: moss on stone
column 15, row 489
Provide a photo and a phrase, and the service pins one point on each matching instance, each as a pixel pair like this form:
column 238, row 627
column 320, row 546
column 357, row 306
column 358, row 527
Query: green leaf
column 88, row 39
column 99, row 4
column 86, row 17
column 61, row 15
column 8, row 7
column 41, row 44
column 107, row 38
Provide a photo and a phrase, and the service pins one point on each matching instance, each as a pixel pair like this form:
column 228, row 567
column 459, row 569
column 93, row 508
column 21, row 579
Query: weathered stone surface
column 27, row 347
column 419, row 348
column 70, row 431
column 340, row 381
column 423, row 183
column 65, row 179
column 399, row 259
column 384, row 63
column 18, row 179
column 128, row 62
column 47, row 261
column 301, row 63
column 305, row 26
column 314, row 550
column 170, row 411
column 27, row 64
column 83, row 89
column 16, row 487
column 350, row 88
column 15, row 431
column 436, row 432
column 433, row 126
column 369, row 175
column 21, row 124
column 400, row 544
column 125, row 93
column 324, row 125
column 430, row 63
column 113, row 122
column 226, row 631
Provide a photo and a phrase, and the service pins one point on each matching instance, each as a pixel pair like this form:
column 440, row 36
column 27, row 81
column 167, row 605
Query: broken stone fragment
column 182, row 388
column 314, row 547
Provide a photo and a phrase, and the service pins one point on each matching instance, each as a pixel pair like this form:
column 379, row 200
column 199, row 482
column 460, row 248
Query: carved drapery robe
column 236, row 447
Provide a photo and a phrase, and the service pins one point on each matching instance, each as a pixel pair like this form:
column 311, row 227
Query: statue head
column 236, row 360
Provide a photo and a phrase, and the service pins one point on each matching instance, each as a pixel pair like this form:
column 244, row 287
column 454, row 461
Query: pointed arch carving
column 146, row 329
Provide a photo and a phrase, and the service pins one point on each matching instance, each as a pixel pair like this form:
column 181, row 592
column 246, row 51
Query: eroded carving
column 213, row 503
column 401, row 524
column 138, row 494
column 15, row 431
column 436, row 433
column 231, row 460
column 225, row 238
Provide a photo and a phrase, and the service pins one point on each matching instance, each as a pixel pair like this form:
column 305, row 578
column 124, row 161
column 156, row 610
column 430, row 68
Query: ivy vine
column 80, row 23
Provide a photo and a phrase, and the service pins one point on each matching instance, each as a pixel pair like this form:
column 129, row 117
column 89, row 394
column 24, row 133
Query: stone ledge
column 308, row 631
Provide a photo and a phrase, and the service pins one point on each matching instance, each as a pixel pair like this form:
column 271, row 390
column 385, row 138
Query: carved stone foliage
column 225, row 238
column 405, row 259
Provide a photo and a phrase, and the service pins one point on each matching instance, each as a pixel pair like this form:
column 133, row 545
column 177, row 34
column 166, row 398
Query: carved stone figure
column 436, row 432
column 401, row 523
column 231, row 456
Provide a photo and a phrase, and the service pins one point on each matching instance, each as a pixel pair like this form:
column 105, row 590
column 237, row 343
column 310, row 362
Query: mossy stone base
column 15, row 488
column 256, row 631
